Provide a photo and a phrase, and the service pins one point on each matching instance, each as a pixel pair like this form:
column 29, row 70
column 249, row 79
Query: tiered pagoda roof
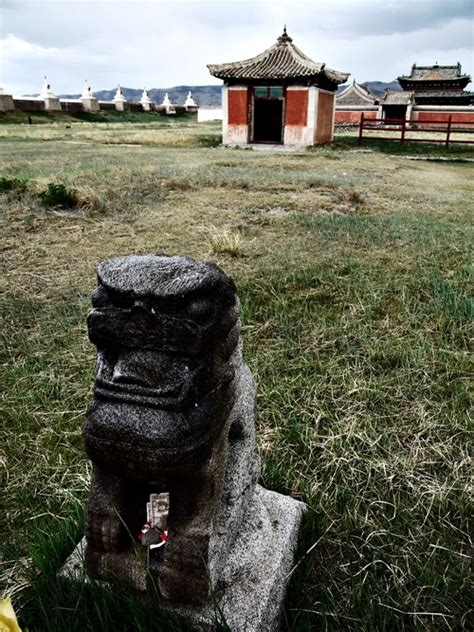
column 435, row 77
column 282, row 61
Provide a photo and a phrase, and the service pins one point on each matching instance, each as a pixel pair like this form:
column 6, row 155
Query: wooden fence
column 402, row 130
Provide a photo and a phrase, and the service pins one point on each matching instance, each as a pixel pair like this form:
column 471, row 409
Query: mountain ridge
column 204, row 95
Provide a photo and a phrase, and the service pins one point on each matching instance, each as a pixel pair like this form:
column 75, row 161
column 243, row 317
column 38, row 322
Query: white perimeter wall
column 209, row 114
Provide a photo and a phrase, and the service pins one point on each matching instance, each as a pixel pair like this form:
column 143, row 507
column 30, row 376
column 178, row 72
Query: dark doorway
column 268, row 120
column 395, row 111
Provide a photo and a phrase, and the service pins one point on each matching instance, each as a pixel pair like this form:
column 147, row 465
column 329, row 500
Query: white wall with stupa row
column 47, row 100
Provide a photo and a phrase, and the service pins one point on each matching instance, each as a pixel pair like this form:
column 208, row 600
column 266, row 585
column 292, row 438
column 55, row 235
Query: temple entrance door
column 395, row 112
column 268, row 121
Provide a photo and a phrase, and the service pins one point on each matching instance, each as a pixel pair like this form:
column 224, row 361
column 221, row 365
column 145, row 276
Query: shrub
column 57, row 194
column 9, row 183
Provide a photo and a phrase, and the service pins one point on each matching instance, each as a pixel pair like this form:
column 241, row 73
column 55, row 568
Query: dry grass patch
column 354, row 197
column 227, row 241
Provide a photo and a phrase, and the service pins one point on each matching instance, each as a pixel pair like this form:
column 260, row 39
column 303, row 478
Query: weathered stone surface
column 173, row 418
column 255, row 572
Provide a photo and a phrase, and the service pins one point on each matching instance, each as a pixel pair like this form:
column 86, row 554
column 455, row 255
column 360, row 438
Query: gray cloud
column 162, row 43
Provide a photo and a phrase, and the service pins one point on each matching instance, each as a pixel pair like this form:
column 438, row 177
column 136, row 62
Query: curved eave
column 271, row 74
column 461, row 81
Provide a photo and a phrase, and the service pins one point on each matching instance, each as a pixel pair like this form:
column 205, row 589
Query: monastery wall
column 422, row 113
column 351, row 115
column 440, row 113
column 6, row 103
column 29, row 105
column 209, row 114
column 235, row 107
column 47, row 101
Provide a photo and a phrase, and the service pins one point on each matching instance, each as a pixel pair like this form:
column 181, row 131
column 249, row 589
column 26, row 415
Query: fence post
column 361, row 127
column 402, row 136
column 448, row 131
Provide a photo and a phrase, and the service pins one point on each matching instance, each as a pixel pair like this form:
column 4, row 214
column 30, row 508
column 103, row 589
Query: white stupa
column 170, row 109
column 46, row 92
column 87, row 91
column 89, row 102
column 51, row 101
column 190, row 102
column 119, row 95
column 145, row 100
column 119, row 100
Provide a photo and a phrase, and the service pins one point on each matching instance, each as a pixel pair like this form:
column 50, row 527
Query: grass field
column 354, row 272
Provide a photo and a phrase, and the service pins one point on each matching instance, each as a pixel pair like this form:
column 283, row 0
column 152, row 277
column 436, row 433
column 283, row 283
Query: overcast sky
column 160, row 44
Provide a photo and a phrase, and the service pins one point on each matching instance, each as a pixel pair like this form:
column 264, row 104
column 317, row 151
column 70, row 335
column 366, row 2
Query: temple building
column 278, row 97
column 437, row 85
column 356, row 94
column 430, row 86
column 354, row 100
column 428, row 93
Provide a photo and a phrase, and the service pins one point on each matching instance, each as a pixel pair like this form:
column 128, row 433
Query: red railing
column 404, row 127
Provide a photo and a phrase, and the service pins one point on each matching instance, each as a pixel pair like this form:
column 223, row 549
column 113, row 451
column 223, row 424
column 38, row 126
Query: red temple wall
column 296, row 107
column 238, row 107
column 353, row 116
column 456, row 117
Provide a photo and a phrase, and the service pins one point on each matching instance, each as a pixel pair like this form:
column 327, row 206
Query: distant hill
column 377, row 87
column 204, row 96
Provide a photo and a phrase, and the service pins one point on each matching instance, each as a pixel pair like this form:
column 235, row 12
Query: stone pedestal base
column 52, row 104
column 90, row 105
column 253, row 581
column 121, row 106
column 6, row 103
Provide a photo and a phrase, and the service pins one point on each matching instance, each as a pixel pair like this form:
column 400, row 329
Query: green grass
column 354, row 273
column 425, row 149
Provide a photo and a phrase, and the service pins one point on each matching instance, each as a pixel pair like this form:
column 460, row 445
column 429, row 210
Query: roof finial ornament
column 284, row 37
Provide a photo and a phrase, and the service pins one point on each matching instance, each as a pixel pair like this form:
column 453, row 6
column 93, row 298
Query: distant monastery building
column 278, row 97
column 428, row 93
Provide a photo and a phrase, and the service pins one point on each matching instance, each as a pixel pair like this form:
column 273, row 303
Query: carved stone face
column 165, row 329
